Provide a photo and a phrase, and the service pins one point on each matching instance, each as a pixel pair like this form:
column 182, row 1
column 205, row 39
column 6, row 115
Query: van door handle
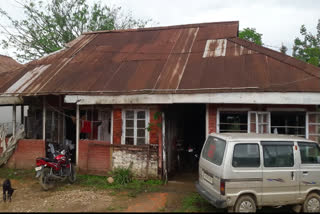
column 305, row 173
column 292, row 175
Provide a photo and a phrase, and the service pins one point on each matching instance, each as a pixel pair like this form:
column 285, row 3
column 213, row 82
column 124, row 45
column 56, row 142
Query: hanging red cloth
column 86, row 127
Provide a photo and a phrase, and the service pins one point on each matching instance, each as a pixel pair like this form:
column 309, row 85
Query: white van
column 243, row 172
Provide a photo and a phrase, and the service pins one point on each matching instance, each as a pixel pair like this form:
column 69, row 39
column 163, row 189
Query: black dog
column 7, row 190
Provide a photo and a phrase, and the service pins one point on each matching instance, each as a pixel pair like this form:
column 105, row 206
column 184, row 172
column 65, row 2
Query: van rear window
column 246, row 155
column 213, row 150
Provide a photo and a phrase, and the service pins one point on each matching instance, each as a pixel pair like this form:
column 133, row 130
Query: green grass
column 18, row 174
column 134, row 187
column 195, row 203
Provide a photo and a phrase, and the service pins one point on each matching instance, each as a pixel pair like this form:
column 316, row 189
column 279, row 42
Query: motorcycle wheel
column 44, row 179
column 72, row 177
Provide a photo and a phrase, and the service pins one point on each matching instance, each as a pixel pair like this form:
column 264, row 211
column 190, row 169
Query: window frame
column 310, row 134
column 246, row 166
column 219, row 110
column 135, row 127
column 258, row 123
column 267, row 112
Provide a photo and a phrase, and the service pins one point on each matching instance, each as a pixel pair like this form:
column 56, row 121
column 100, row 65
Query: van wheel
column 245, row 204
column 312, row 203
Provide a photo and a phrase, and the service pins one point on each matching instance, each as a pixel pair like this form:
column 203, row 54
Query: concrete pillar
column 44, row 115
column 14, row 119
column 22, row 114
column 77, row 134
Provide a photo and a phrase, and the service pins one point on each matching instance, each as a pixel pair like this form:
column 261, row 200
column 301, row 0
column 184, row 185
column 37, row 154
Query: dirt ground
column 29, row 197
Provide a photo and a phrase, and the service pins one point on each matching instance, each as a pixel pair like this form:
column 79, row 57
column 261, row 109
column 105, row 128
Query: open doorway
column 70, row 131
column 185, row 135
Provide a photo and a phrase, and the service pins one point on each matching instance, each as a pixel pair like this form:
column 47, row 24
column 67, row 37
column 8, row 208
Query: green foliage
column 283, row 49
column 307, row 49
column 48, row 27
column 195, row 203
column 251, row 35
column 122, row 176
column 156, row 116
column 18, row 174
column 97, row 181
column 133, row 188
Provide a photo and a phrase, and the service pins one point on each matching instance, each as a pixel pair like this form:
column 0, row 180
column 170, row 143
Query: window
column 314, row 126
column 214, row 150
column 276, row 155
column 309, row 152
column 135, row 123
column 259, row 122
column 293, row 123
column 233, row 121
column 246, row 155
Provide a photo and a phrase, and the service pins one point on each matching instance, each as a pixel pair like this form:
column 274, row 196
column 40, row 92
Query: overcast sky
column 278, row 20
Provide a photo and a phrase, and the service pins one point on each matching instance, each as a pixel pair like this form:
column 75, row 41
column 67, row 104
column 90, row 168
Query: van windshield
column 213, row 150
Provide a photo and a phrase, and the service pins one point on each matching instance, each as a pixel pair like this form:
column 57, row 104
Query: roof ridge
column 9, row 57
column 163, row 27
column 284, row 58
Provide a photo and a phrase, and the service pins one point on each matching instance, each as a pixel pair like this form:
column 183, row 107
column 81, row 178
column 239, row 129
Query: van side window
column 246, row 155
column 278, row 155
column 309, row 153
column 213, row 150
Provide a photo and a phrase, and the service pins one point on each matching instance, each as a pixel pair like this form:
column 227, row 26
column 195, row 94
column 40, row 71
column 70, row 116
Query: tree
column 48, row 27
column 308, row 48
column 283, row 49
column 251, row 35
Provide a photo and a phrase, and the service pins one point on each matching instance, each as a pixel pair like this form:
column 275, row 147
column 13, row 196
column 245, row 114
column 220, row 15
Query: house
column 135, row 96
column 8, row 67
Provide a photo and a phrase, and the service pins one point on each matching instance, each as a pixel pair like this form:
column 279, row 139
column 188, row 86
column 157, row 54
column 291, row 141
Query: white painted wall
column 122, row 159
column 297, row 98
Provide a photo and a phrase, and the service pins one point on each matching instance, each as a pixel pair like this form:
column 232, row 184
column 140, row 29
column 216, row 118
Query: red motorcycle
column 58, row 168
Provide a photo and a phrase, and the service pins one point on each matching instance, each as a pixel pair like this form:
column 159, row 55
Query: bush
column 122, row 176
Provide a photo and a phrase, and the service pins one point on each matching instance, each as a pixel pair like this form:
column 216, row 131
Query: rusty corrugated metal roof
column 8, row 64
column 9, row 68
column 195, row 58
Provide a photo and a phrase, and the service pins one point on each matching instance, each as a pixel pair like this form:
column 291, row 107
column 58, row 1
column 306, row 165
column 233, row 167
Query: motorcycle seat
column 47, row 159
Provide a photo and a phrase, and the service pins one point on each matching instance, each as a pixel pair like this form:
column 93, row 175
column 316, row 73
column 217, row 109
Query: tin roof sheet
column 196, row 58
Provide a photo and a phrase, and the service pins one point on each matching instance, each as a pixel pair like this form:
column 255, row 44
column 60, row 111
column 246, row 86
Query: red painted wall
column 212, row 114
column 155, row 133
column 117, row 126
column 26, row 153
column 94, row 156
